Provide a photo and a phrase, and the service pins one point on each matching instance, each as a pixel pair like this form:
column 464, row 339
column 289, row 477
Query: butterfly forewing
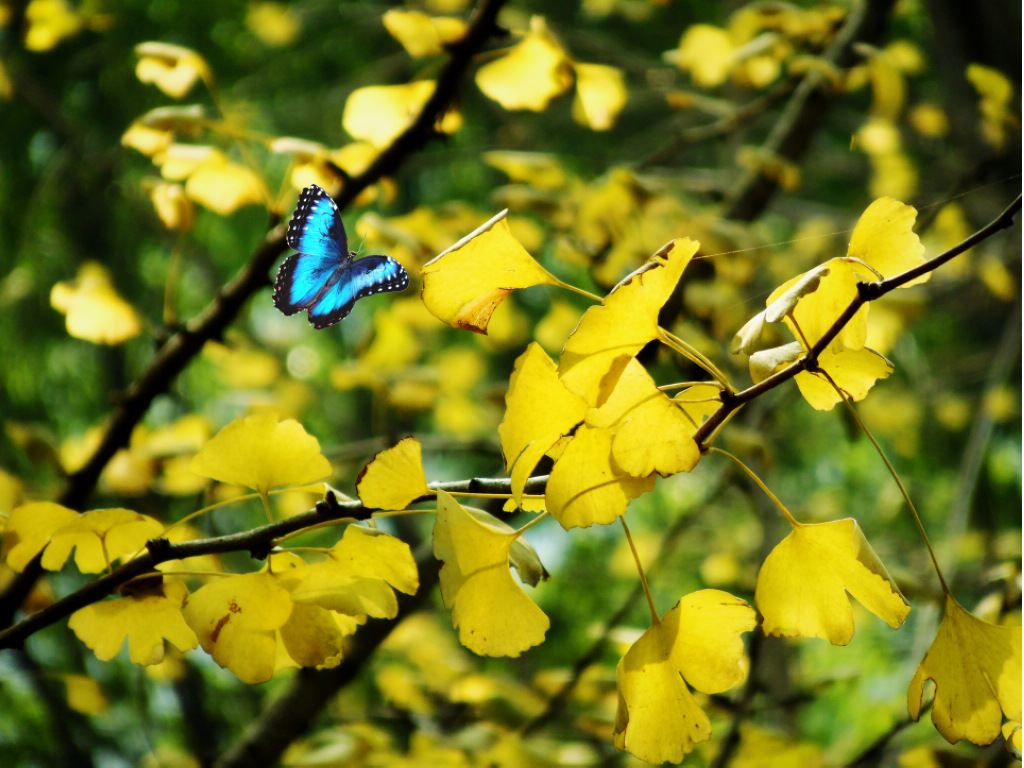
column 316, row 227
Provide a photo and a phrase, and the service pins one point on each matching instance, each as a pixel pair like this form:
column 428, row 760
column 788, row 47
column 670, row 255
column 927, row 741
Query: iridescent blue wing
column 318, row 235
column 316, row 227
column 364, row 277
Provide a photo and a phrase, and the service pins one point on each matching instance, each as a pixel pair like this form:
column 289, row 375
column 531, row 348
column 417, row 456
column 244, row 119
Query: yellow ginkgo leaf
column 314, row 636
column 95, row 312
column 523, row 557
column 145, row 618
column 355, row 578
column 463, row 285
column 884, row 238
column 29, row 528
column 539, row 169
column 493, row 614
column 395, row 478
column 784, row 300
column 533, row 72
column 261, row 453
column 651, row 432
column 224, row 186
column 586, row 486
column 821, row 297
column 99, row 538
column 172, row 205
column 275, row 24
column 697, row 642
column 171, row 68
column 236, row 619
column 707, row 52
column 699, row 402
column 611, row 333
column 50, row 21
column 976, row 667
column 854, row 371
column 420, row 34
column 147, row 140
column 179, row 161
column 538, row 411
column 1012, row 735
column 84, row 694
column 996, row 94
column 600, row 95
column 380, row 113
column 803, row 584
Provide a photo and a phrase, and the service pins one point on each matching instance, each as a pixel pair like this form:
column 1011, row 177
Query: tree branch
column 258, row 541
column 798, row 123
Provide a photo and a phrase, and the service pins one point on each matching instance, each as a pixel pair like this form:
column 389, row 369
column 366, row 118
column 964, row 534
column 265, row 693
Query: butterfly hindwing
column 363, row 277
column 322, row 277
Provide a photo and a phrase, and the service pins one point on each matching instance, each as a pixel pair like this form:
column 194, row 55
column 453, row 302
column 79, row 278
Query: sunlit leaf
column 84, row 694
column 538, row 411
column 706, row 52
column 172, row 205
column 99, row 538
column 611, row 333
column 854, row 371
column 821, row 296
column 539, row 169
column 600, row 95
column 586, row 486
column 28, row 530
column 803, row 584
column 523, row 557
column 420, row 34
column 976, row 667
column 996, row 94
column 463, row 285
column 171, row 68
column 149, row 141
column 275, row 24
column 261, row 453
column 378, row 114
column 355, row 577
column 651, row 433
column 95, row 311
column 493, row 614
column 699, row 402
column 224, row 186
column 884, row 239
column 145, row 619
column 395, row 478
column 236, row 619
column 532, row 73
column 697, row 643
column 49, row 22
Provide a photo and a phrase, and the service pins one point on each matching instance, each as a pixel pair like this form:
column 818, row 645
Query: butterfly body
column 322, row 277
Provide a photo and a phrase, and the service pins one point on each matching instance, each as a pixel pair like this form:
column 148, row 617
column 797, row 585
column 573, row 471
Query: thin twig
column 866, row 292
column 738, row 118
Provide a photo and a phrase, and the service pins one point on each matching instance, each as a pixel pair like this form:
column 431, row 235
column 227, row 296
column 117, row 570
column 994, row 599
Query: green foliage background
column 69, row 192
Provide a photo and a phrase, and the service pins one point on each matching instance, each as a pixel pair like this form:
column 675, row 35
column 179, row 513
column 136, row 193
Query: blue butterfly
column 322, row 277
